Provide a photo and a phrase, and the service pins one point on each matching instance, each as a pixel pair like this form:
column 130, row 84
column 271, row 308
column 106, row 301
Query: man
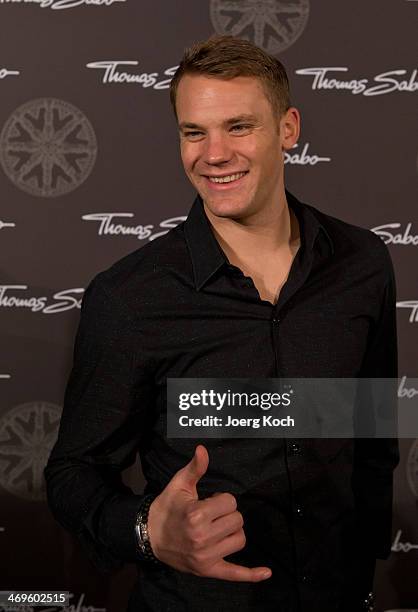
column 254, row 284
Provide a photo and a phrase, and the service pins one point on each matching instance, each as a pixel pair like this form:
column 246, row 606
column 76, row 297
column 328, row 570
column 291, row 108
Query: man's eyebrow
column 239, row 118
column 190, row 126
column 244, row 117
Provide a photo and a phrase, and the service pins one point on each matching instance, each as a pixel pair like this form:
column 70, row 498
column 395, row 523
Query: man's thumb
column 193, row 471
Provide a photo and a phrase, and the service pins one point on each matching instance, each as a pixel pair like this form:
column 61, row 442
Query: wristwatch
column 141, row 529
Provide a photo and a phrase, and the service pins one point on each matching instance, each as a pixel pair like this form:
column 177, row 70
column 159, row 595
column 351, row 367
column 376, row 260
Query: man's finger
column 224, row 570
column 188, row 476
column 218, row 505
column 224, row 527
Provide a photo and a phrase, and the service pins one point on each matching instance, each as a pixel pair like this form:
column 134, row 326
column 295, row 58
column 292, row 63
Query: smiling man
column 254, row 284
column 233, row 133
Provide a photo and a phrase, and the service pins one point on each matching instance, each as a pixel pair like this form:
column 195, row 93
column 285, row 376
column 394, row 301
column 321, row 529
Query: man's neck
column 271, row 233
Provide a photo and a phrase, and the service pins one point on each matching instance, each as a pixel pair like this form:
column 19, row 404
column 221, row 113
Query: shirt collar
column 206, row 254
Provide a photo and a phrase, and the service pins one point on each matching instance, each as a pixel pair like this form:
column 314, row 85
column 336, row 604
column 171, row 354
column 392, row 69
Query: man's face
column 229, row 133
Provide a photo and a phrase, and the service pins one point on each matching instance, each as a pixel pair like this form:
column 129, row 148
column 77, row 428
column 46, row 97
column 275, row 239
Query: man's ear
column 290, row 128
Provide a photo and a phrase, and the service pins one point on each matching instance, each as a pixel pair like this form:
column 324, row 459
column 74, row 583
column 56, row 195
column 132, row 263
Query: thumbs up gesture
column 193, row 535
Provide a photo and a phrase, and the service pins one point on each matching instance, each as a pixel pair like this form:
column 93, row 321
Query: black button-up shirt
column 317, row 512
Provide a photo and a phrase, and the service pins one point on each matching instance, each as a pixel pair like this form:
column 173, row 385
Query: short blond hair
column 227, row 57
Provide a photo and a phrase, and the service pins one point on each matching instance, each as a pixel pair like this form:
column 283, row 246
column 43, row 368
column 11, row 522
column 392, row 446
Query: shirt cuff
column 117, row 527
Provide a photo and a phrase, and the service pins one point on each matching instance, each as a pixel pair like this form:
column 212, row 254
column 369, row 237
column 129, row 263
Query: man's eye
column 192, row 134
column 240, row 127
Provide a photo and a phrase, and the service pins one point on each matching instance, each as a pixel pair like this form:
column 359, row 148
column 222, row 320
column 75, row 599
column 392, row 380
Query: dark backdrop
column 91, row 171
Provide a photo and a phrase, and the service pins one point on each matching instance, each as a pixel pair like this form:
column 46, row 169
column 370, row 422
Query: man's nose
column 217, row 149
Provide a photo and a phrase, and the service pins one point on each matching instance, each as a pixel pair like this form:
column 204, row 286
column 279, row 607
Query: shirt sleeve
column 100, row 433
column 376, row 458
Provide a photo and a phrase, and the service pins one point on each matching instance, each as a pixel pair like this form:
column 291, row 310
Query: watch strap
column 141, row 529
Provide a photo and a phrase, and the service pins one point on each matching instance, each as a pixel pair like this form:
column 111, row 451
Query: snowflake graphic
column 27, row 435
column 273, row 25
column 47, row 147
column 412, row 468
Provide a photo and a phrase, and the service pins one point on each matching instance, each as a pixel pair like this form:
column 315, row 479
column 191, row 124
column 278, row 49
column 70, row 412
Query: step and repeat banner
column 90, row 170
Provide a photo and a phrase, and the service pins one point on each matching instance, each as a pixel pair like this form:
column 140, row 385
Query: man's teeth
column 226, row 179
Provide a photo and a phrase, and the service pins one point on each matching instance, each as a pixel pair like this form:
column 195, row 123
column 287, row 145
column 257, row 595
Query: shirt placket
column 293, row 449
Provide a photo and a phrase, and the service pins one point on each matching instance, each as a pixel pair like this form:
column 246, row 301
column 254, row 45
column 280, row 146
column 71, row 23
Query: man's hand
column 195, row 535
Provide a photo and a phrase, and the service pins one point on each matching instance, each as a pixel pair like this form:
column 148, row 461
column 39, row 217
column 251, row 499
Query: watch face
column 144, row 531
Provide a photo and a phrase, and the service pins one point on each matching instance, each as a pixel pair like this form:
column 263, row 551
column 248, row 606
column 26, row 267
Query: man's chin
column 224, row 207
column 225, row 210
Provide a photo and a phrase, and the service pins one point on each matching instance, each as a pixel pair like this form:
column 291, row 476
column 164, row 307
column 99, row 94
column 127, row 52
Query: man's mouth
column 229, row 178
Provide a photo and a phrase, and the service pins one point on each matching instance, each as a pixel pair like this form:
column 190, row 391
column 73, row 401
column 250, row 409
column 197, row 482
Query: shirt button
column 294, row 449
column 299, row 511
column 304, row 578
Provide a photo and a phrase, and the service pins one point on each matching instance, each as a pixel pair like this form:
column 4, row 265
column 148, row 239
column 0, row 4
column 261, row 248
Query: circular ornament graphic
column 412, row 468
column 273, row 25
column 27, row 435
column 47, row 147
